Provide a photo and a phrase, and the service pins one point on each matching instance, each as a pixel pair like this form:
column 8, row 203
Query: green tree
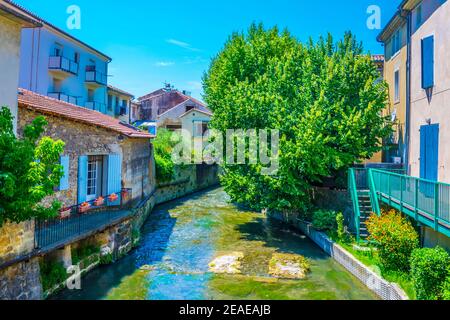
column 29, row 170
column 323, row 97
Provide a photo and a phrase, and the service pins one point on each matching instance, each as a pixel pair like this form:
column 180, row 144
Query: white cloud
column 182, row 44
column 164, row 63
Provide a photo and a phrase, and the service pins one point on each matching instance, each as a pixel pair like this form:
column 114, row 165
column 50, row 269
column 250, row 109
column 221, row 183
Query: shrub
column 429, row 270
column 82, row 252
column 163, row 147
column 324, row 220
column 395, row 238
column 106, row 259
column 52, row 274
column 341, row 234
column 446, row 288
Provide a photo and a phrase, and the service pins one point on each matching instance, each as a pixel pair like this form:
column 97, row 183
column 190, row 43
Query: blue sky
column 152, row 41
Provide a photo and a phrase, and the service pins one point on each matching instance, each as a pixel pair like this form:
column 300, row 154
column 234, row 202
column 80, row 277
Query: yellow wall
column 397, row 62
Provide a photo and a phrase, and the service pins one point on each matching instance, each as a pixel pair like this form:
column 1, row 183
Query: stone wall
column 21, row 281
column 82, row 139
column 187, row 180
column 16, row 239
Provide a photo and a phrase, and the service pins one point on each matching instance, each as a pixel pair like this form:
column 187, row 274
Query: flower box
column 125, row 193
column 84, row 207
column 64, row 213
column 113, row 197
column 99, row 201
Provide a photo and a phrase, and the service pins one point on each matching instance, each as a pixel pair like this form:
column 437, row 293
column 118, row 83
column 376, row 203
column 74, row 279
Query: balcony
column 77, row 223
column 62, row 97
column 62, row 65
column 95, row 78
column 94, row 105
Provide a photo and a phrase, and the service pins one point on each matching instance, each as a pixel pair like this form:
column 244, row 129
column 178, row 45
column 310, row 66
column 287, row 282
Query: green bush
column 106, row 259
column 163, row 145
column 324, row 220
column 82, row 252
column 52, row 274
column 429, row 271
column 341, row 234
column 446, row 287
column 395, row 238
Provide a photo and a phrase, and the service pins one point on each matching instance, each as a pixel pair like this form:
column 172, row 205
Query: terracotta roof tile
column 69, row 111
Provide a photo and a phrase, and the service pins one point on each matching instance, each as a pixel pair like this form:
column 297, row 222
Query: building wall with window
column 119, row 103
column 10, row 31
column 97, row 161
column 394, row 38
column 430, row 91
column 59, row 66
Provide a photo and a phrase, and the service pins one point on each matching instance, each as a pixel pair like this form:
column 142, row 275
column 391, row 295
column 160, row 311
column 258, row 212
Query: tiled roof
column 112, row 88
column 196, row 110
column 46, row 105
column 17, row 14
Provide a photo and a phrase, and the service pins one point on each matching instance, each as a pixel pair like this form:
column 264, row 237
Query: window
column 110, row 98
column 396, row 42
column 90, row 95
column 397, row 86
column 428, row 62
column 76, row 57
column 57, row 84
column 94, row 177
column 58, row 50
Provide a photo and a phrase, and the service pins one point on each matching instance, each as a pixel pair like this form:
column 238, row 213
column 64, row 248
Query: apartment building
column 119, row 102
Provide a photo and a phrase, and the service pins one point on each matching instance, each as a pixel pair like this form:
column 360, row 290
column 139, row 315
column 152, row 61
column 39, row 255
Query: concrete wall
column 437, row 109
column 9, row 64
column 38, row 45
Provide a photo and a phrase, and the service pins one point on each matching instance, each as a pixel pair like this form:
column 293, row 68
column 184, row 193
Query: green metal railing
column 428, row 202
column 353, row 189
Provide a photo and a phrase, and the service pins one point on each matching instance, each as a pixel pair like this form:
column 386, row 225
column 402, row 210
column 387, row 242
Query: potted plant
column 84, row 207
column 99, row 201
column 113, row 197
column 64, row 212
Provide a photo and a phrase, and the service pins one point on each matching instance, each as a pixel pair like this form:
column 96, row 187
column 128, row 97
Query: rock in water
column 229, row 263
column 288, row 266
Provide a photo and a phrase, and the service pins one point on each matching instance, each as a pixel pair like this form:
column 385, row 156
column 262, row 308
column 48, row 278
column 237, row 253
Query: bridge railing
column 353, row 190
column 428, row 202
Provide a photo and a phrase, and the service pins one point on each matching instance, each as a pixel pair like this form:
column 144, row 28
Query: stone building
column 102, row 155
column 12, row 20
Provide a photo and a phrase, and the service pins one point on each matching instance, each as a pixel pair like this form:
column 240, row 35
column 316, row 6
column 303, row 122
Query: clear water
column 182, row 237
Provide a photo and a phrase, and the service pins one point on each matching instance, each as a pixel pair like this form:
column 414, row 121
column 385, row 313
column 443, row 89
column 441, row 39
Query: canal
column 181, row 238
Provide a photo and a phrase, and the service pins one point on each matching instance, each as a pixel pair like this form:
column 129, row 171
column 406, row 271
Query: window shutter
column 114, row 173
column 423, row 140
column 82, row 178
column 428, row 62
column 64, row 182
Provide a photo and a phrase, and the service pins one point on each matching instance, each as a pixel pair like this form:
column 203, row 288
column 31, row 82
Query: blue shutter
column 64, row 182
column 428, row 62
column 82, row 178
column 423, row 140
column 114, row 173
column 433, row 163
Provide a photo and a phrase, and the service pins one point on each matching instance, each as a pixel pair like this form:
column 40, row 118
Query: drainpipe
column 407, row 15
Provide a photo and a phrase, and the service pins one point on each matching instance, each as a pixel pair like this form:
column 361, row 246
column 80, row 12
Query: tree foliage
column 164, row 144
column 29, row 170
column 323, row 97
